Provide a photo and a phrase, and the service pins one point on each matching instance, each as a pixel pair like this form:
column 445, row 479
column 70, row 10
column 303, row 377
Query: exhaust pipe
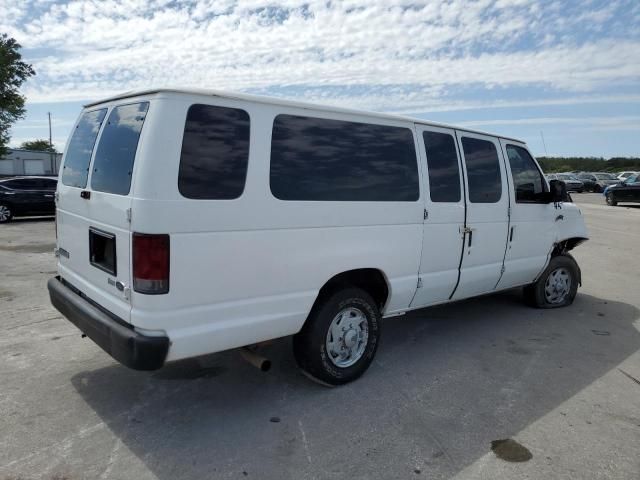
column 258, row 361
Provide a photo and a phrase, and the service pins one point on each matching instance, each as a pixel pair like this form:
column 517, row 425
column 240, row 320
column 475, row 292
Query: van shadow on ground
column 447, row 381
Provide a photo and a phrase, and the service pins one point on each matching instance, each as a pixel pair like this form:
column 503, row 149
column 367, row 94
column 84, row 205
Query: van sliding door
column 444, row 217
column 487, row 220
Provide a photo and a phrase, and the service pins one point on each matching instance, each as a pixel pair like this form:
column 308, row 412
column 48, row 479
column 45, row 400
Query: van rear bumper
column 112, row 334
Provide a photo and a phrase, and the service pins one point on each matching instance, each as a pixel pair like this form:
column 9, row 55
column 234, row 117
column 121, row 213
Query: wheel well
column 564, row 246
column 371, row 280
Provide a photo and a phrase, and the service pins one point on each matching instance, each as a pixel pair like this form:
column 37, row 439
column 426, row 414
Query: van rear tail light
column 150, row 263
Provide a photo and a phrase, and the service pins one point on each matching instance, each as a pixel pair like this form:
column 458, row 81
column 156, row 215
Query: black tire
column 310, row 344
column 611, row 201
column 6, row 214
column 536, row 294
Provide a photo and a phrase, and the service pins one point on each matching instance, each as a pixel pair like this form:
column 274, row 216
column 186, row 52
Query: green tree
column 13, row 73
column 39, row 145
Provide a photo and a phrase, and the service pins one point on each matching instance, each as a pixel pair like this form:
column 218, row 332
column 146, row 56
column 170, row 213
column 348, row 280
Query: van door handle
column 467, row 231
column 511, row 234
column 86, row 194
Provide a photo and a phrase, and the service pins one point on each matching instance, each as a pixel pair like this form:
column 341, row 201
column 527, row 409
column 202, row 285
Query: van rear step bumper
column 112, row 334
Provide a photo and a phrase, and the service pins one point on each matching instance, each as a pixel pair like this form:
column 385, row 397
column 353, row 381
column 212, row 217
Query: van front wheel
column 557, row 286
column 340, row 337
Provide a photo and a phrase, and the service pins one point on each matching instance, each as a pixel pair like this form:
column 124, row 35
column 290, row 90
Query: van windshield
column 113, row 165
column 76, row 163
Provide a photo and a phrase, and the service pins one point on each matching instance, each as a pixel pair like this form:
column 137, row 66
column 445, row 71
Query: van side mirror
column 558, row 192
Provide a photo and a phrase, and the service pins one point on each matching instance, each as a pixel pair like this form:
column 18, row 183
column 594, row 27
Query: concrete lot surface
column 564, row 384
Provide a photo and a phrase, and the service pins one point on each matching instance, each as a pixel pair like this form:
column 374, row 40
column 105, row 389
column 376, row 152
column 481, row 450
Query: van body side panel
column 249, row 269
column 571, row 225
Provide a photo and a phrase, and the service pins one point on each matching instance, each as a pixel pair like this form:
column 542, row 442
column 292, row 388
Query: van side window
column 215, row 153
column 443, row 167
column 76, row 163
column 113, row 164
column 483, row 170
column 527, row 179
column 332, row 160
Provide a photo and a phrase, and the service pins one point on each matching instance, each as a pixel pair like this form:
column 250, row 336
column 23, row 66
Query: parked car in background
column 22, row 196
column 570, row 180
column 627, row 191
column 597, row 181
column 625, row 175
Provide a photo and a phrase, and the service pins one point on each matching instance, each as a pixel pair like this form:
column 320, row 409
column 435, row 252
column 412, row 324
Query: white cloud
column 623, row 122
column 87, row 49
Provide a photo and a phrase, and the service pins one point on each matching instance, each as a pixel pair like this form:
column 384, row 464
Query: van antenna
column 544, row 144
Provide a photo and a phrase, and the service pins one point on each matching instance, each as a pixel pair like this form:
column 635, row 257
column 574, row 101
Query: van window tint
column 483, row 170
column 332, row 160
column 215, row 153
column 113, row 164
column 527, row 179
column 76, row 163
column 443, row 168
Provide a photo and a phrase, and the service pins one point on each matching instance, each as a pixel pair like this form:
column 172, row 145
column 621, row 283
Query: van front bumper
column 112, row 334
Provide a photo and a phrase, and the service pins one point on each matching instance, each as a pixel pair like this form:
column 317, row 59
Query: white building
column 29, row 162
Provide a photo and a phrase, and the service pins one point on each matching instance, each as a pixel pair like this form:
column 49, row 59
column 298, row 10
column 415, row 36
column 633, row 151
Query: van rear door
column 94, row 204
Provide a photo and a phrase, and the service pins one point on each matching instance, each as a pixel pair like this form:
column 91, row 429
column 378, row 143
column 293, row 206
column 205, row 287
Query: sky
column 562, row 75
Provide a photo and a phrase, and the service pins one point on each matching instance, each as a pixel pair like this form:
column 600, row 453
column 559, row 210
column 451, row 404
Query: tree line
column 588, row 164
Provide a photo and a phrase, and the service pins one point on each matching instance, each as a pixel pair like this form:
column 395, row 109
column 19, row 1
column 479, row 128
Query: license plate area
column 102, row 251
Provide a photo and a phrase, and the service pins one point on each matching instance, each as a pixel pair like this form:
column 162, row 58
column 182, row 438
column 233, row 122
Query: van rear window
column 215, row 153
column 76, row 163
column 113, row 164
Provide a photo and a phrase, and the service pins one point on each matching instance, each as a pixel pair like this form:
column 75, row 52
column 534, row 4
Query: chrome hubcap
column 557, row 286
column 347, row 337
column 4, row 213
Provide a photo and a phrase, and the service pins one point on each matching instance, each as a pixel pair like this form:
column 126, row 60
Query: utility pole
column 52, row 156
column 544, row 144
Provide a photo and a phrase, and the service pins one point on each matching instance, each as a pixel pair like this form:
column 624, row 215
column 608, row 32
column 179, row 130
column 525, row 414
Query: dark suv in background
column 597, row 181
column 22, row 196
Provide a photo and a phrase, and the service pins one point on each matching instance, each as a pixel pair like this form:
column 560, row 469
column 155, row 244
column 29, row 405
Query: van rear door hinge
column 426, row 214
column 502, row 270
column 129, row 215
column 419, row 283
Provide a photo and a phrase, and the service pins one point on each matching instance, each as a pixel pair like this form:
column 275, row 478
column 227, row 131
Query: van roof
column 289, row 103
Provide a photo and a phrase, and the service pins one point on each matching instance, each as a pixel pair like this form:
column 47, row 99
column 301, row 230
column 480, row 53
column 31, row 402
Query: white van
column 191, row 222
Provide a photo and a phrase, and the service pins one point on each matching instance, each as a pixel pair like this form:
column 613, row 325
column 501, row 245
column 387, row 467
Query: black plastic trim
column 112, row 334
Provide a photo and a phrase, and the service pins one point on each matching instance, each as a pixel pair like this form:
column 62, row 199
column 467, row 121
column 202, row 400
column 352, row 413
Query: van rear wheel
column 340, row 337
column 557, row 286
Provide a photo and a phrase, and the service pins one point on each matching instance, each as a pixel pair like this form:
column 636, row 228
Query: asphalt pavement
column 563, row 386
